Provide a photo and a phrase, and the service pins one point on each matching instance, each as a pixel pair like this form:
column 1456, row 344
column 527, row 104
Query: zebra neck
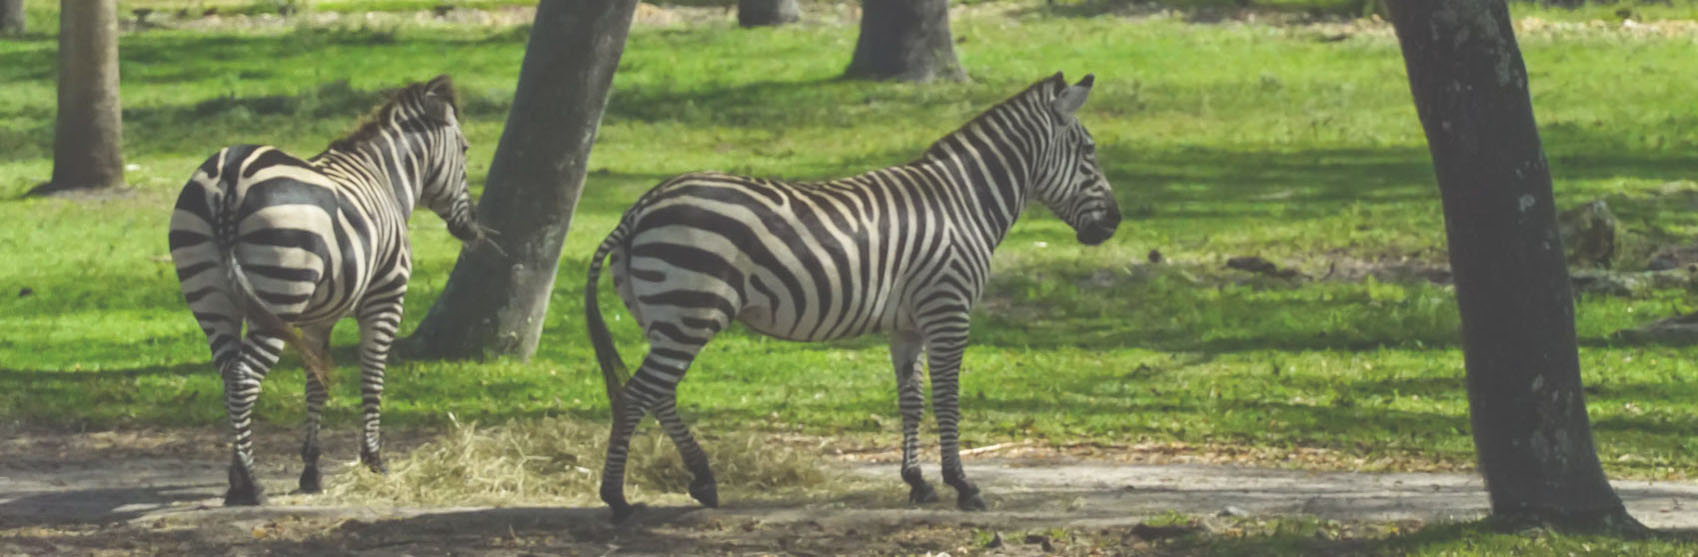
column 987, row 191
column 383, row 163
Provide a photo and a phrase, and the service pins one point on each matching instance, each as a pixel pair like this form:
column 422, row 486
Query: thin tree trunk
column 88, row 133
column 906, row 40
column 755, row 13
column 494, row 304
column 11, row 17
column 1531, row 431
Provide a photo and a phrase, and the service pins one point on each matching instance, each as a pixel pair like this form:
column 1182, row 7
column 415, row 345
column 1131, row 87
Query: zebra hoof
column 375, row 464
column 623, row 512
column 252, row 496
column 706, row 493
column 310, row 481
column 920, row 494
column 970, row 501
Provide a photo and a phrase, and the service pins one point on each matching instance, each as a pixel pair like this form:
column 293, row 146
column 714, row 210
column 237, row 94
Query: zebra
column 261, row 237
column 903, row 250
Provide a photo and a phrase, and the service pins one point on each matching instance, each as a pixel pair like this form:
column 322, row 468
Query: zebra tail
column 316, row 360
column 613, row 372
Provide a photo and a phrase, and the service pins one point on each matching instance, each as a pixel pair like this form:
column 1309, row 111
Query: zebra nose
column 1100, row 229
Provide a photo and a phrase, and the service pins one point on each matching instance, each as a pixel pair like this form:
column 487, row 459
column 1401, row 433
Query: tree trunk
column 11, row 17
column 1531, row 431
column 494, row 304
column 755, row 13
column 906, row 40
column 88, row 133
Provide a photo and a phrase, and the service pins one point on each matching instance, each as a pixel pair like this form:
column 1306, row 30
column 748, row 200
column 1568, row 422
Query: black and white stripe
column 267, row 239
column 904, row 250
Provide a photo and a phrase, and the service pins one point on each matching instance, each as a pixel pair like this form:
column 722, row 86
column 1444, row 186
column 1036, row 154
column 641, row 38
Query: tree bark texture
column 494, row 304
column 755, row 13
column 1528, row 412
column 88, row 131
column 906, row 40
column 11, row 17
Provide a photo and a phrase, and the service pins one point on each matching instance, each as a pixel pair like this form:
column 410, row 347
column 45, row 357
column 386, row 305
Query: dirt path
column 89, row 500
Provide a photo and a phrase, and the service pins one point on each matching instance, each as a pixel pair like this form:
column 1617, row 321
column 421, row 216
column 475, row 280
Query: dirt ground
column 159, row 493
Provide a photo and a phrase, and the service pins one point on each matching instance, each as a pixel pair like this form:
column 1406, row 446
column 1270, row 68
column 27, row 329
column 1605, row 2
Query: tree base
column 50, row 189
column 1613, row 522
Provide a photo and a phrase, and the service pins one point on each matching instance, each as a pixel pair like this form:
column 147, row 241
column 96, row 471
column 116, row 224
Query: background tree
column 88, row 132
column 754, row 13
column 494, row 303
column 1531, row 432
column 905, row 40
column 11, row 17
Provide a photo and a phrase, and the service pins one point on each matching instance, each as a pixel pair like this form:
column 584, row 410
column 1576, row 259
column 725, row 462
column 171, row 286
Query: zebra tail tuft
column 613, row 371
column 315, row 358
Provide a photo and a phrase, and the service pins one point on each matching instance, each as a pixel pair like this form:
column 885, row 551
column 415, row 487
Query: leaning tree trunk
column 494, row 304
column 88, row 132
column 906, row 40
column 11, row 17
column 755, row 13
column 1531, row 431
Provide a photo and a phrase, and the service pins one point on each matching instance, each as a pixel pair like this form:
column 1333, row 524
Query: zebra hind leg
column 652, row 387
column 317, row 394
column 702, row 488
column 905, row 357
column 242, row 377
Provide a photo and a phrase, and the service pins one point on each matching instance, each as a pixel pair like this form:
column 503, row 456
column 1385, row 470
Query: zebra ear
column 1070, row 99
column 440, row 91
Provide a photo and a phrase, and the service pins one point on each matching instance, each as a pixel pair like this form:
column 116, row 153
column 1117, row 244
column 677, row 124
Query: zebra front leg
column 317, row 394
column 378, row 323
column 905, row 358
column 945, row 354
column 242, row 377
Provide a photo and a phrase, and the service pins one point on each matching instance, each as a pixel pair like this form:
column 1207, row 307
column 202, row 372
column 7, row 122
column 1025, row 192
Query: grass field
column 1222, row 140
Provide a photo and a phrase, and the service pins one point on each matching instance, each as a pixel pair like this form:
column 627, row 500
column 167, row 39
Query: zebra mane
column 1042, row 92
column 435, row 99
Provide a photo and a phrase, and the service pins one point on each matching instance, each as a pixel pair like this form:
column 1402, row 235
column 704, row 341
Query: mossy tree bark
column 12, row 17
column 905, row 40
column 1531, row 431
column 494, row 304
column 88, row 129
column 756, row 13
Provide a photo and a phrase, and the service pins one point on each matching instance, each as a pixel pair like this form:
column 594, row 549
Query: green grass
column 1222, row 140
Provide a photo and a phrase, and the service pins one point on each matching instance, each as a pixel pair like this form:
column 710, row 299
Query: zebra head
column 432, row 104
column 1068, row 180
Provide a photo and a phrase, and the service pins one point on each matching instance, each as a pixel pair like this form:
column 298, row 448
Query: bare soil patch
column 158, row 491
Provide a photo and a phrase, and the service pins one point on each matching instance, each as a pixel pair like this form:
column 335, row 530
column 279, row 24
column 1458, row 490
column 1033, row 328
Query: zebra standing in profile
column 905, row 250
column 262, row 237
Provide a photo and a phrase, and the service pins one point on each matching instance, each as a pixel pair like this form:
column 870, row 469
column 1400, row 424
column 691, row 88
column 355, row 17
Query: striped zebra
column 262, row 237
column 904, row 250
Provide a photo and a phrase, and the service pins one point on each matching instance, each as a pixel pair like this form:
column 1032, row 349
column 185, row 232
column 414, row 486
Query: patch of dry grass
column 558, row 461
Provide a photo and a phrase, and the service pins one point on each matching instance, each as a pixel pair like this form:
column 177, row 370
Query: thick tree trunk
column 11, row 17
column 88, row 133
column 1529, row 414
column 755, row 13
column 494, row 305
column 905, row 40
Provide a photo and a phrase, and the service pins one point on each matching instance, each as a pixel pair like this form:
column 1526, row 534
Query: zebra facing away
column 904, row 250
column 267, row 239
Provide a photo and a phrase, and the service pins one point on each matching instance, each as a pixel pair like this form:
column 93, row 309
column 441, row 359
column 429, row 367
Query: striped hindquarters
column 254, row 224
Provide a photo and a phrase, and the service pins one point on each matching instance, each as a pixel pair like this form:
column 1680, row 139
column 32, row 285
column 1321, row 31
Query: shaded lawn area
column 1222, row 140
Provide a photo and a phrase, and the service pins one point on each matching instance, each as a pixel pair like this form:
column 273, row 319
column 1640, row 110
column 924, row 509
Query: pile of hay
column 558, row 461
